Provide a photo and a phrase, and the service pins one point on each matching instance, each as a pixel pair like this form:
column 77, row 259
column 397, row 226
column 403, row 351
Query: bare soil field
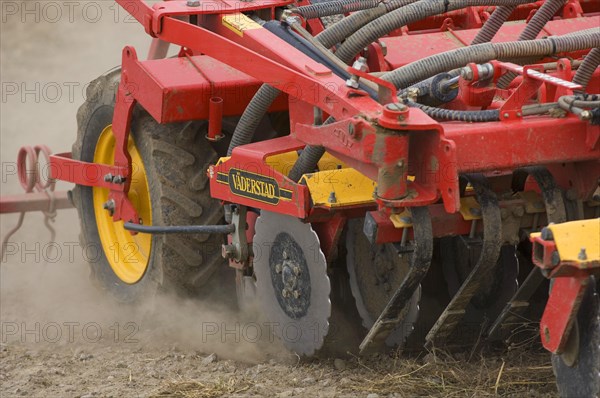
column 61, row 337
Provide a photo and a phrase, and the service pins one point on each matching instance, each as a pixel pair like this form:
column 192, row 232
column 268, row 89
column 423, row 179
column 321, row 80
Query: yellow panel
column 402, row 220
column 283, row 162
column 348, row 185
column 466, row 204
column 223, row 160
column 238, row 23
column 330, row 162
column 533, row 202
column 571, row 237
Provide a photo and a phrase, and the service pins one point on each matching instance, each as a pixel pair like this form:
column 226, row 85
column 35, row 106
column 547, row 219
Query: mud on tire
column 175, row 158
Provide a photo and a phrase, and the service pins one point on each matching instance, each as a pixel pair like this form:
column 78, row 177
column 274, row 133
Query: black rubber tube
column 308, row 159
column 490, row 115
column 257, row 108
column 406, row 15
column 319, row 10
column 493, row 24
column 587, row 68
column 532, row 29
column 180, row 229
column 347, row 26
column 420, row 70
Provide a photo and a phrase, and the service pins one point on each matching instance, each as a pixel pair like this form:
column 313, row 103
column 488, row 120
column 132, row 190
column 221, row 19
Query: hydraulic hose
column 308, row 159
column 532, row 29
column 319, row 10
column 587, row 68
column 406, row 15
column 490, row 115
column 253, row 114
column 264, row 97
column 419, row 70
column 493, row 24
column 347, row 26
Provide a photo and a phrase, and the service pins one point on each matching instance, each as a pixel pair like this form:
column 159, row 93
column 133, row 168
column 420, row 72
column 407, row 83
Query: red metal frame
column 385, row 143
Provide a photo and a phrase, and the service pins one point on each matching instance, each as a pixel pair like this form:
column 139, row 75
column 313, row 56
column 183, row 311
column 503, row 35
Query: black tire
column 582, row 378
column 175, row 157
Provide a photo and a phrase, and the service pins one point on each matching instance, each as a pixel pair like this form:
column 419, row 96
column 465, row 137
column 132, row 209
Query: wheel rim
column 128, row 255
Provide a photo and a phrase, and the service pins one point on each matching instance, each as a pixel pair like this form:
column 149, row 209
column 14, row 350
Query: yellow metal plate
column 283, row 162
column 330, row 162
column 466, row 204
column 238, row 23
column 571, row 237
column 402, row 220
column 349, row 186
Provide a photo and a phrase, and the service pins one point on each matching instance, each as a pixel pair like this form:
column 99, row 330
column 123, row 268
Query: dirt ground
column 62, row 338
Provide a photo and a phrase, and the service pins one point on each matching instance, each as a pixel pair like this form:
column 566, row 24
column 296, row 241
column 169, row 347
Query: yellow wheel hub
column 128, row 255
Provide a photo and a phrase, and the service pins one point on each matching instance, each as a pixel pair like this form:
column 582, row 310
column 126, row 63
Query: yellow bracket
column 577, row 241
column 402, row 220
column 470, row 208
column 337, row 188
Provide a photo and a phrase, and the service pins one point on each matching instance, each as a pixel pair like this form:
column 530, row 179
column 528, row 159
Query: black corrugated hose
column 419, row 70
column 532, row 29
column 308, row 159
column 493, row 24
column 347, row 26
column 406, row 15
column 319, row 10
column 587, row 68
column 489, row 115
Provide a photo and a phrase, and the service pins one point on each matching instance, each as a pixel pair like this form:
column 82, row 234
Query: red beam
column 34, row 201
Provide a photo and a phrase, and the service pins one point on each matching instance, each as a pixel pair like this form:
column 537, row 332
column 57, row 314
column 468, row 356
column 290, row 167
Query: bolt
column 504, row 213
column 518, row 114
column 193, row 3
column 555, row 259
column 466, row 73
column 585, row 115
column 141, row 221
column 228, row 251
column 278, row 268
column 352, row 82
column 506, row 115
column 396, row 107
column 296, row 294
column 351, row 130
column 332, row 198
column 110, row 206
column 297, row 270
column 108, row 177
column 518, row 211
column 285, row 293
column 582, row 254
column 400, row 163
column 547, row 234
column 361, row 65
column 118, row 179
column 383, row 48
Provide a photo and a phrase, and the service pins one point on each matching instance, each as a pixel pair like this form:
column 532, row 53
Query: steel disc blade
column 375, row 272
column 291, row 281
